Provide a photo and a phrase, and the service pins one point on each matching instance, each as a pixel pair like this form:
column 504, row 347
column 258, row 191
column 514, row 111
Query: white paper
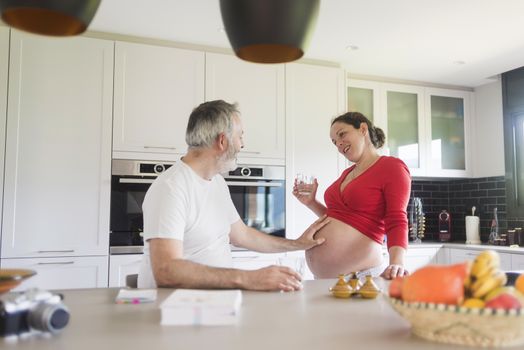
column 201, row 307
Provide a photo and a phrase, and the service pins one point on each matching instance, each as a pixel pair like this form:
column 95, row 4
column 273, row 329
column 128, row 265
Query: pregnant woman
column 367, row 202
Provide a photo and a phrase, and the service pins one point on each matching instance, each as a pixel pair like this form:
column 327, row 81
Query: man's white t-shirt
column 182, row 205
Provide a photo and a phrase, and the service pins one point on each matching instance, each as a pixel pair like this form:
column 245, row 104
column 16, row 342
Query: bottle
column 494, row 232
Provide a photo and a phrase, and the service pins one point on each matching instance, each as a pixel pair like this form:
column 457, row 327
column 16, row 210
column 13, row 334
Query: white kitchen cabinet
column 259, row 91
column 58, row 147
column 447, row 126
column 156, row 88
column 122, row 265
column 517, row 262
column 428, row 128
column 4, row 64
column 249, row 260
column 314, row 96
column 419, row 257
column 62, row 273
column 460, row 255
column 404, row 124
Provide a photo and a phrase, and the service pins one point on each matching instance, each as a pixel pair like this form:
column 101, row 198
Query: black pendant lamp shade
column 269, row 31
column 49, row 17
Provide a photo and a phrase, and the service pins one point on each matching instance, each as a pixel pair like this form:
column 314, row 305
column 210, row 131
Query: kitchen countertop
column 308, row 319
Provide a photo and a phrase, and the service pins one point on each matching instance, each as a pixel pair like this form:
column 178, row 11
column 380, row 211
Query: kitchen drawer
column 62, row 273
column 248, row 260
column 460, row 255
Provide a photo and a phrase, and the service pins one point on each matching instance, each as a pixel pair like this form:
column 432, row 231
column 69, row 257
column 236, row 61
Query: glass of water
column 296, row 263
column 305, row 183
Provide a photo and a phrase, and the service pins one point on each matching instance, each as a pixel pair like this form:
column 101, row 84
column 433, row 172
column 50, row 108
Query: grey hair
column 209, row 120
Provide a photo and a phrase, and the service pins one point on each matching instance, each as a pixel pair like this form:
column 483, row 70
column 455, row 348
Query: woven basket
column 465, row 326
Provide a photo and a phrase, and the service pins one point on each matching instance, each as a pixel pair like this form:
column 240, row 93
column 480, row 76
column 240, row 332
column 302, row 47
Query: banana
column 484, row 262
column 487, row 270
column 483, row 286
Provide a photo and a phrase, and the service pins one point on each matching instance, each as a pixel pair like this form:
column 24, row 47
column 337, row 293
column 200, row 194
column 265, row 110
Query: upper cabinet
column 448, row 119
column 58, row 147
column 425, row 127
column 156, row 88
column 259, row 91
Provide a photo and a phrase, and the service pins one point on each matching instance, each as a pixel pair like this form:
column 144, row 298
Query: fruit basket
column 481, row 327
column 10, row 278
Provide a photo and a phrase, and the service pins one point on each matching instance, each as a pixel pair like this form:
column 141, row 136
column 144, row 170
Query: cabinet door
column 404, row 110
column 4, row 59
column 156, row 88
column 517, row 262
column 419, row 257
column 460, row 255
column 448, row 123
column 364, row 97
column 58, row 148
column 62, row 273
column 259, row 91
column 314, row 95
column 122, row 265
column 248, row 260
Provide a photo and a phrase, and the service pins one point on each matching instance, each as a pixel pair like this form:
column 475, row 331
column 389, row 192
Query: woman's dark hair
column 354, row 119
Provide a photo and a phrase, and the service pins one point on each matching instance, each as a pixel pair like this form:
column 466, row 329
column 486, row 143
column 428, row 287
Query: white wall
column 488, row 135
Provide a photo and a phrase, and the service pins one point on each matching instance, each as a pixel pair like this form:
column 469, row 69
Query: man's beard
column 228, row 161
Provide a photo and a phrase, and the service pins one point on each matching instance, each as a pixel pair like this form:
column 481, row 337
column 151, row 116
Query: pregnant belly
column 345, row 250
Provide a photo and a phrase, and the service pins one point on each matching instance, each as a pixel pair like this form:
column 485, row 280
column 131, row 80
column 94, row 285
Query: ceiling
column 452, row 42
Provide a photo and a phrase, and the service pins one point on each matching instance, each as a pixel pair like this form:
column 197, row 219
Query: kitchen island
column 308, row 319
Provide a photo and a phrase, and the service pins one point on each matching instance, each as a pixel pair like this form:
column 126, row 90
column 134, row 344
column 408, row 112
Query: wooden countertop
column 308, row 319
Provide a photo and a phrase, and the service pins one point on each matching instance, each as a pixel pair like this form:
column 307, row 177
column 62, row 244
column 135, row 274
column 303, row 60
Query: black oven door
column 261, row 204
column 126, row 223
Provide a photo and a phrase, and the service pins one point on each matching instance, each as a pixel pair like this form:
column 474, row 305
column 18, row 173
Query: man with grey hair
column 190, row 219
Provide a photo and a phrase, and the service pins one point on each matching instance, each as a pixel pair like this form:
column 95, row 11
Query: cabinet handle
column 515, row 178
column 57, row 263
column 254, row 184
column 250, row 152
column 56, row 251
column 472, row 254
column 161, row 147
column 135, row 181
column 245, row 257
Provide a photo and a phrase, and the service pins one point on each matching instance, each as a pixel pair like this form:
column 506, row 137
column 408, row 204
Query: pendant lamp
column 49, row 17
column 269, row 31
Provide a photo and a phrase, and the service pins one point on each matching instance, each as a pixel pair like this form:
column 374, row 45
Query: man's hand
column 393, row 271
column 272, row 278
column 307, row 239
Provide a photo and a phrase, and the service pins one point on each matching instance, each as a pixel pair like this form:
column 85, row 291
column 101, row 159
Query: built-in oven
column 258, row 193
column 130, row 180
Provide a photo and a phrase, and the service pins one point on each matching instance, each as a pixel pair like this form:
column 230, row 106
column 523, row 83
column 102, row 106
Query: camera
column 32, row 310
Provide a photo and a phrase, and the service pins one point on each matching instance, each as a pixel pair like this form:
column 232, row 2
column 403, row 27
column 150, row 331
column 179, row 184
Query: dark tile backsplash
column 458, row 196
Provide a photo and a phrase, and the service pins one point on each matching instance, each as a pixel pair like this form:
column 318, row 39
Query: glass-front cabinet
column 363, row 97
column 425, row 127
column 448, row 113
column 404, row 111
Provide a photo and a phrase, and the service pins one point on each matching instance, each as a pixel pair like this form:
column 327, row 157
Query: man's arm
column 171, row 270
column 246, row 237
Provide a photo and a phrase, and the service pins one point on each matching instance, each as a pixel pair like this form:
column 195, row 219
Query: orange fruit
column 395, row 287
column 519, row 283
column 440, row 284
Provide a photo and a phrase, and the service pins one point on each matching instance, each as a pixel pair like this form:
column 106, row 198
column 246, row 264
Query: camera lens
column 48, row 317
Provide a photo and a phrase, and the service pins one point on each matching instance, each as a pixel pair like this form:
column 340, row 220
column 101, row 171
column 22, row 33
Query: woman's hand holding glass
column 305, row 188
